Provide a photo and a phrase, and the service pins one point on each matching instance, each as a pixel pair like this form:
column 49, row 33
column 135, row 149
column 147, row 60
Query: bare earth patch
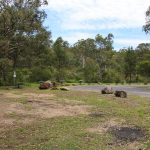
column 36, row 106
column 27, row 95
column 9, row 96
column 47, row 109
column 124, row 136
column 38, row 96
column 135, row 145
column 104, row 127
column 129, row 134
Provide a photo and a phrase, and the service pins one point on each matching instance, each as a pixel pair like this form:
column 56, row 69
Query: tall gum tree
column 21, row 29
column 146, row 27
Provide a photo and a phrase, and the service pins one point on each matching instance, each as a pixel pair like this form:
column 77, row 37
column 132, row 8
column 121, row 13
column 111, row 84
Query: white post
column 14, row 76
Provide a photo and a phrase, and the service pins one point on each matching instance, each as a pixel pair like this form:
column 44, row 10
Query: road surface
column 143, row 91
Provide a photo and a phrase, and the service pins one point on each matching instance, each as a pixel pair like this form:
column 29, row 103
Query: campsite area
column 53, row 119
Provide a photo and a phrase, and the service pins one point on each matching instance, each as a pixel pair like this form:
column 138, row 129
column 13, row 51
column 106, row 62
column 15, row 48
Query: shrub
column 41, row 74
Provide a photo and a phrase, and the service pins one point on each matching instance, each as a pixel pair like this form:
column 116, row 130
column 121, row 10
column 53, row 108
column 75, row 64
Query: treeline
column 27, row 49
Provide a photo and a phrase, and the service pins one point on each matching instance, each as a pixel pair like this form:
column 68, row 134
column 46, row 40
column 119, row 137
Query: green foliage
column 5, row 66
column 40, row 74
column 22, row 34
column 91, row 71
column 148, row 145
column 146, row 27
column 61, row 58
column 130, row 64
column 23, row 75
column 111, row 76
column 143, row 63
column 143, row 68
column 26, row 47
column 72, row 81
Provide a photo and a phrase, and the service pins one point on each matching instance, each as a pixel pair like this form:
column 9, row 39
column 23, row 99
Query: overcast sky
column 81, row 19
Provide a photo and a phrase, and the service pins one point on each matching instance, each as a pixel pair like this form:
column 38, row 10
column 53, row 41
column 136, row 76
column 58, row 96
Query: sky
column 81, row 19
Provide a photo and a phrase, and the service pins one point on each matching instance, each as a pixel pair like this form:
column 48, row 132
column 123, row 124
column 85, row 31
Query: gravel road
column 143, row 91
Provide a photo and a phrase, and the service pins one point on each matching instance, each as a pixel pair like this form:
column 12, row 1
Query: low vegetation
column 34, row 119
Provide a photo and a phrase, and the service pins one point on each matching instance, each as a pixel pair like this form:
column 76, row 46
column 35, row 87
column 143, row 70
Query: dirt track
column 132, row 90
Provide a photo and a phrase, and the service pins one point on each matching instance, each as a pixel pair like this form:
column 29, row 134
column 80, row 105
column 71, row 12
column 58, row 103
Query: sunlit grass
column 70, row 133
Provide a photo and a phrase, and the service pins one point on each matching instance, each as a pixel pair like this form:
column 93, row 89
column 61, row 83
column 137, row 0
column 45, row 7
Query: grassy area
column 72, row 130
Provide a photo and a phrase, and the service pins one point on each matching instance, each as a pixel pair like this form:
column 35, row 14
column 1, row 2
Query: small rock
column 64, row 89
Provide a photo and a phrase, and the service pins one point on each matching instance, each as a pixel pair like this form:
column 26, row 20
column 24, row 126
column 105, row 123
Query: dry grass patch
column 48, row 109
column 124, row 136
column 87, row 120
column 33, row 105
column 103, row 127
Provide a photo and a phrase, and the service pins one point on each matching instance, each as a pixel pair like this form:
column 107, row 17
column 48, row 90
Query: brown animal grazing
column 121, row 94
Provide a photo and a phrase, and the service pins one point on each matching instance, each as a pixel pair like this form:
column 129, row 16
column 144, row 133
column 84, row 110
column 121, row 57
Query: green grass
column 57, row 133
column 70, row 133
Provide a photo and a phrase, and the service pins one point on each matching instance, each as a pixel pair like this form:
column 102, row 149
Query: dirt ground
column 123, row 135
column 32, row 106
column 28, row 107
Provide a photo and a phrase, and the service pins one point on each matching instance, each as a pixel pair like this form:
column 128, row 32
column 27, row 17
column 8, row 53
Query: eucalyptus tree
column 143, row 52
column 80, row 52
column 84, row 49
column 21, row 29
column 146, row 27
column 143, row 60
column 130, row 60
column 60, row 57
column 103, row 53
